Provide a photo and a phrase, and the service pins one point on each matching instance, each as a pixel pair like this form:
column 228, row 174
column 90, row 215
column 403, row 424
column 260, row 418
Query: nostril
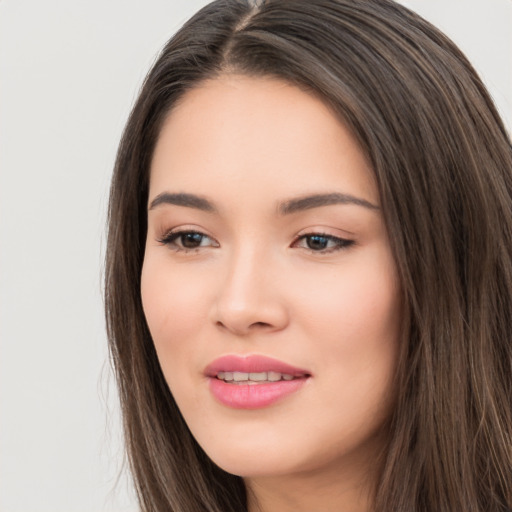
column 259, row 324
column 241, row 329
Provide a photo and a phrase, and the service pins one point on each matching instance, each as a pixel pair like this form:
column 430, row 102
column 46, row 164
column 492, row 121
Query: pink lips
column 253, row 396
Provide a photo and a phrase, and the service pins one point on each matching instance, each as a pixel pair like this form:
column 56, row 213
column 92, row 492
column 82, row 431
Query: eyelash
column 172, row 237
column 340, row 243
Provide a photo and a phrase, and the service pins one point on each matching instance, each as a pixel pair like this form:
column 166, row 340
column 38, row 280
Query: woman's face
column 268, row 282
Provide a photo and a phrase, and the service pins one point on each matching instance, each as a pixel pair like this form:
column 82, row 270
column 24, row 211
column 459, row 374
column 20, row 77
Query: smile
column 253, row 377
column 253, row 382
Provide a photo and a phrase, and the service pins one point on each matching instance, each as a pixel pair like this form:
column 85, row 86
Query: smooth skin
column 240, row 267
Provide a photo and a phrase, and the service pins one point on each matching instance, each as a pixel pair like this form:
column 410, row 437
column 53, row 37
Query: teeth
column 253, row 377
column 258, row 377
column 225, row 375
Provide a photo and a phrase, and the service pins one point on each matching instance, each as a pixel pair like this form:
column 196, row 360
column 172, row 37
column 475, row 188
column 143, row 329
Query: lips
column 252, row 364
column 253, row 382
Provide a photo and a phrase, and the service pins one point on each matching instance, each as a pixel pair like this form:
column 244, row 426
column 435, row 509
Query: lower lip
column 253, row 396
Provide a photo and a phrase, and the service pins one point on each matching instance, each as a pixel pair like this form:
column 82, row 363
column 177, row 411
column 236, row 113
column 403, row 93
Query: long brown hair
column 443, row 163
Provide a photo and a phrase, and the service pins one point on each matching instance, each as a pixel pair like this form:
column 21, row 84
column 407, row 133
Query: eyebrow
column 286, row 208
column 318, row 200
column 182, row 199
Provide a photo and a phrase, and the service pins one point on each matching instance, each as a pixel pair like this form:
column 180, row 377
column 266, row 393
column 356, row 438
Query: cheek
column 175, row 308
column 354, row 318
column 356, row 297
column 174, row 301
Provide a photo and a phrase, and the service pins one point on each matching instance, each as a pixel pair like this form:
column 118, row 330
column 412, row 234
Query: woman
column 309, row 267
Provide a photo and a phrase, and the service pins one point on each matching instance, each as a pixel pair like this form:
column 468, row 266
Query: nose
column 250, row 298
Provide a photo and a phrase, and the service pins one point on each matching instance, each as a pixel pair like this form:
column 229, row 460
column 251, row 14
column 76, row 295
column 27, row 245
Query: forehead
column 262, row 131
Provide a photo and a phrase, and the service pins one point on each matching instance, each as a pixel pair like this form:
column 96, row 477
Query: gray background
column 69, row 72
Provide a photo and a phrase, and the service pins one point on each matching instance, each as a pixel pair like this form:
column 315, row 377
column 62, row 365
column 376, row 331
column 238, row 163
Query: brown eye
column 191, row 240
column 187, row 240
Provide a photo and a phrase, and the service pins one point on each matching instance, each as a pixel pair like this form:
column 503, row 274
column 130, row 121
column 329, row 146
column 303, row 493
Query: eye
column 187, row 240
column 318, row 242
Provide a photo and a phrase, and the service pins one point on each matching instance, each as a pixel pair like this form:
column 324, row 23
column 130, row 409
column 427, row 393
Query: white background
column 69, row 73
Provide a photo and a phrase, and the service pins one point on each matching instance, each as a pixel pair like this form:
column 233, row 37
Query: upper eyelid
column 324, row 234
column 327, row 230
column 184, row 229
column 176, row 232
column 318, row 233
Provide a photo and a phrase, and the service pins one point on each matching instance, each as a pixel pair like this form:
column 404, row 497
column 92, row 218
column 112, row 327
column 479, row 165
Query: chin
column 257, row 458
column 259, row 465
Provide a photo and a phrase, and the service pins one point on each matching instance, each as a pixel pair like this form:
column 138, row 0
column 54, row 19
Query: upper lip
column 252, row 364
